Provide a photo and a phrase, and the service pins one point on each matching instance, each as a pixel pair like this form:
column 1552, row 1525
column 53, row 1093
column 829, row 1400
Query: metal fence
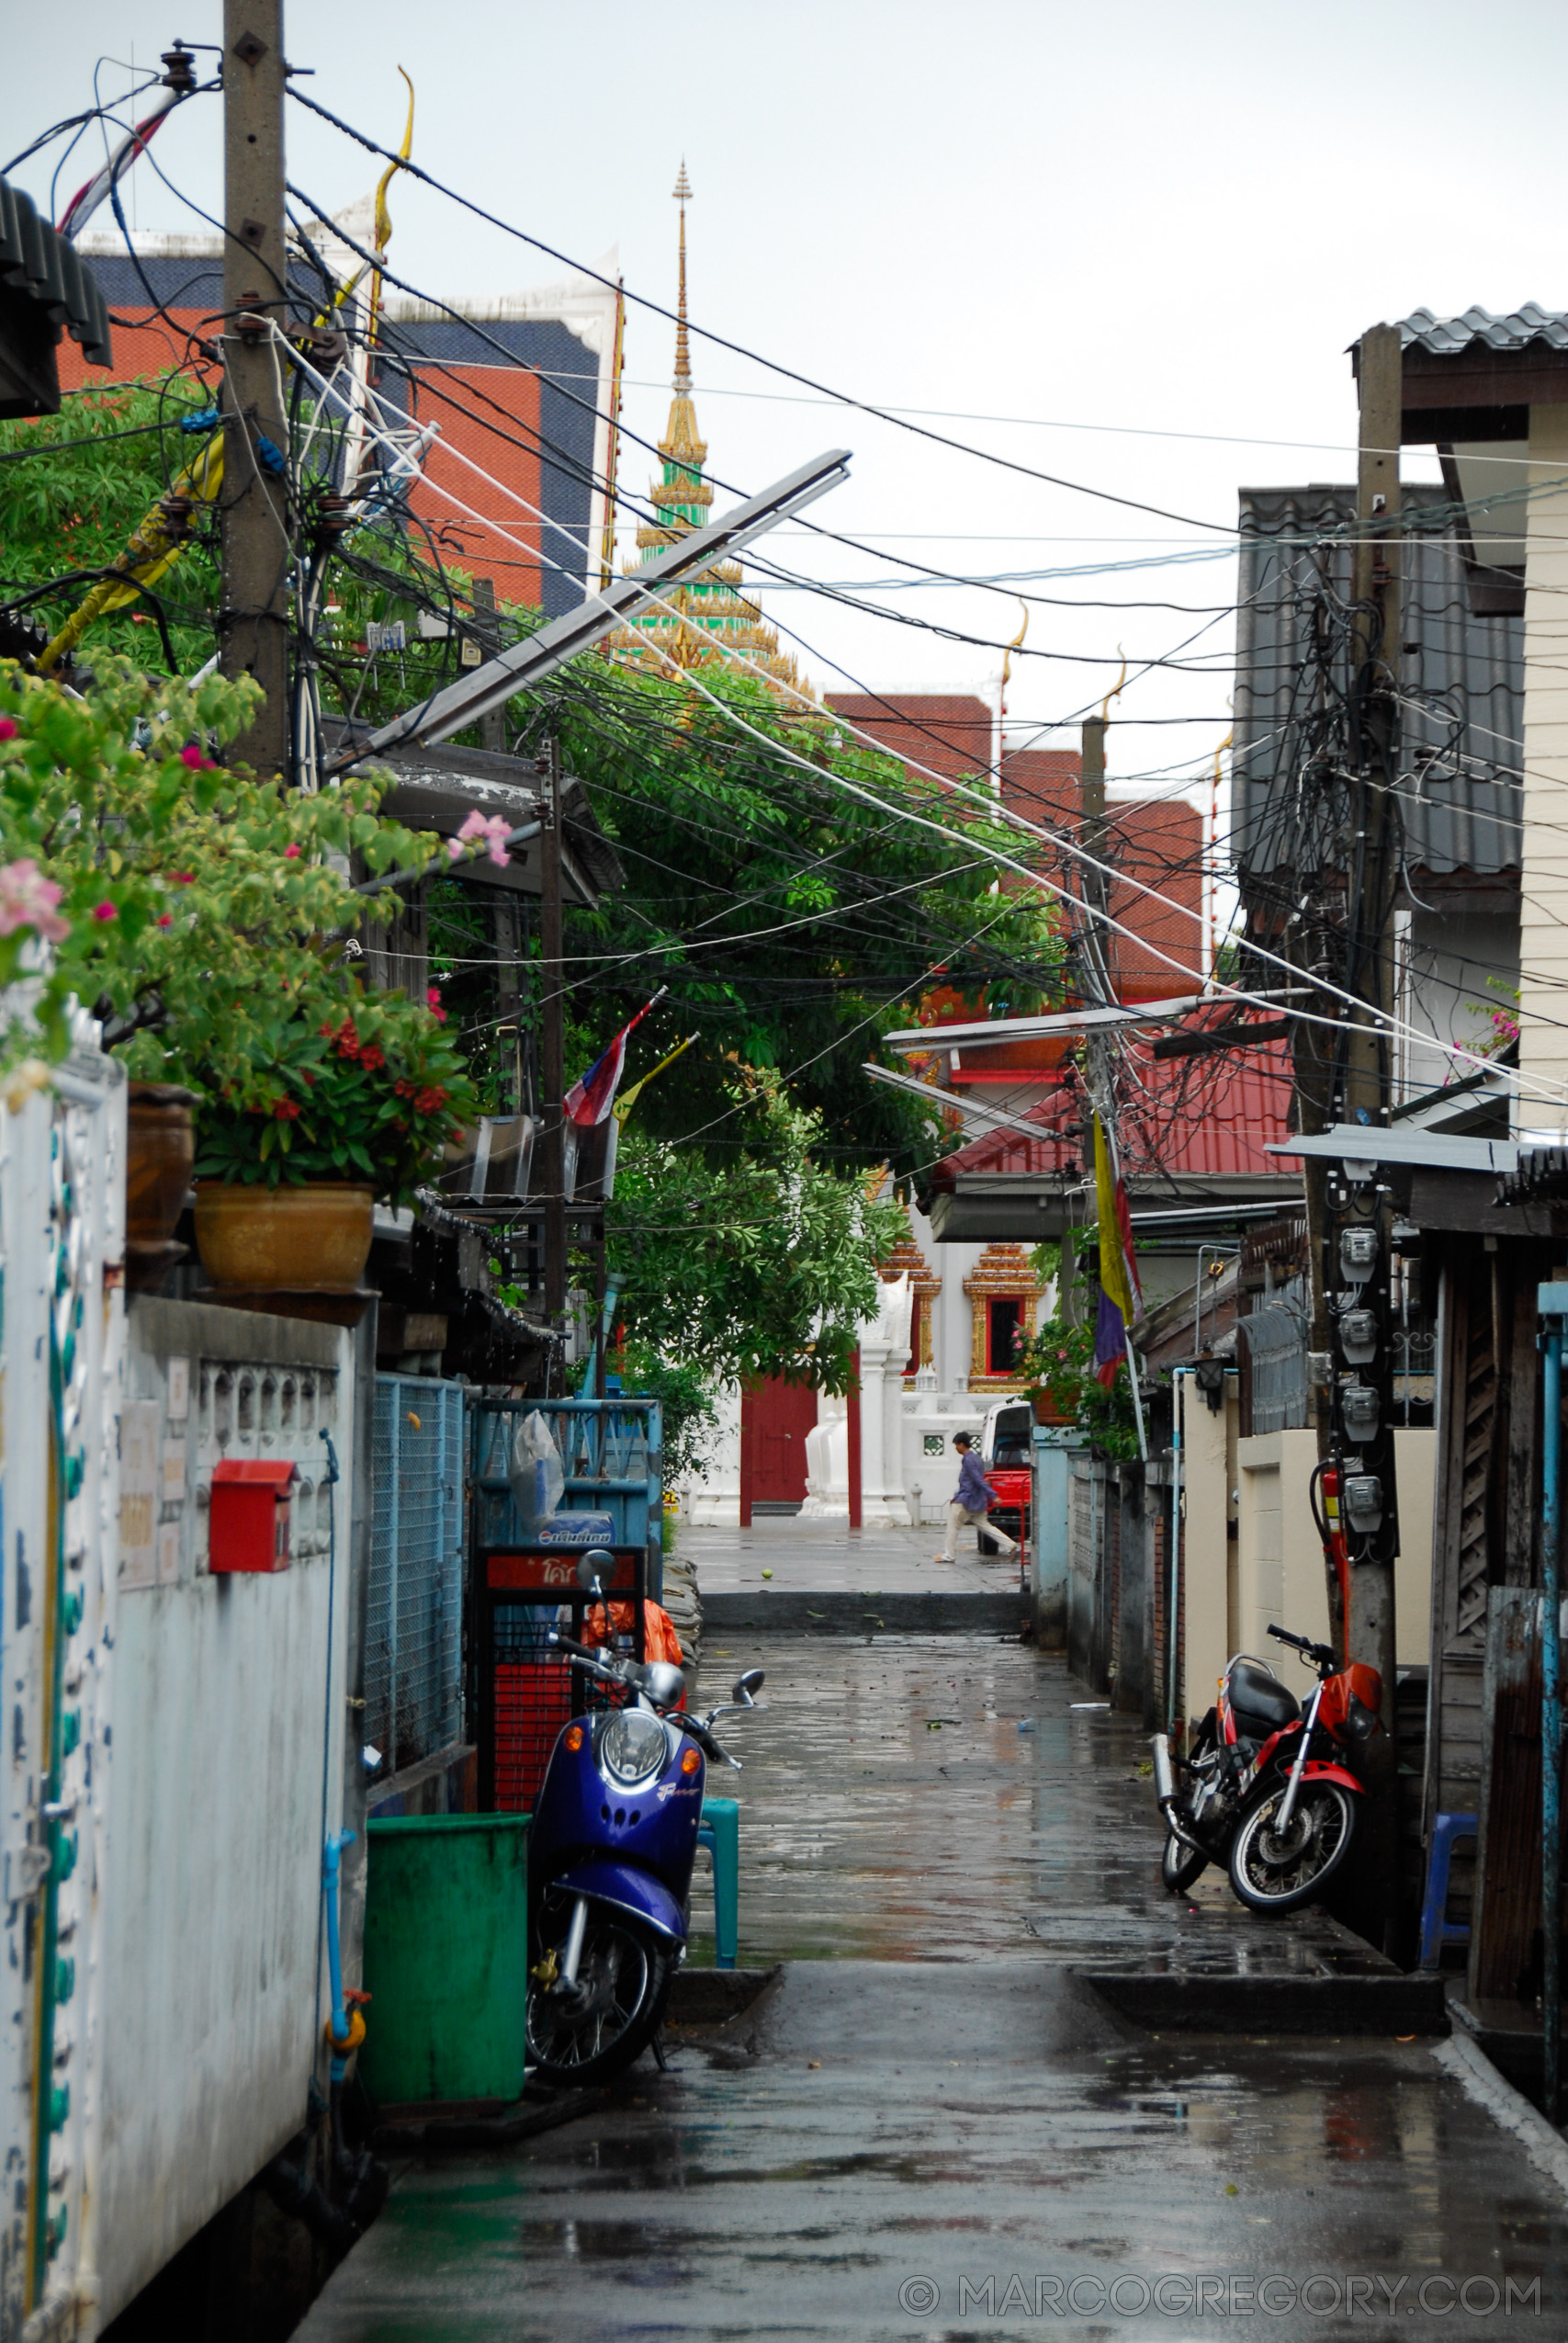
column 414, row 1640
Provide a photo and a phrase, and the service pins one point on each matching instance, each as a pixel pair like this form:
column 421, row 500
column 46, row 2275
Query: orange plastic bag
column 659, row 1640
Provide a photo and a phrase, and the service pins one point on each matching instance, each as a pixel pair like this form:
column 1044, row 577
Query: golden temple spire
column 683, row 351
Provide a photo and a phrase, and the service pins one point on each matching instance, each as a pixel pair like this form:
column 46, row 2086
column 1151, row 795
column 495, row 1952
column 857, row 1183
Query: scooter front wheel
column 1274, row 1871
column 600, row 2026
column 1180, row 1864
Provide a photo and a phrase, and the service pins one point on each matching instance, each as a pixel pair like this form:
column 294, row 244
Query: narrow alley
column 930, row 2122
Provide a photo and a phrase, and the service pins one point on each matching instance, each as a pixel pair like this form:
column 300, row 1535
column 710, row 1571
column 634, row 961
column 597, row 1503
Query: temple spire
column 683, row 351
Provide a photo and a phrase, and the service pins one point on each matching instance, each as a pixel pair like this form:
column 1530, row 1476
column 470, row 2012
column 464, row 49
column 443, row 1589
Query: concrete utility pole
column 552, row 970
column 257, row 555
column 1368, row 1056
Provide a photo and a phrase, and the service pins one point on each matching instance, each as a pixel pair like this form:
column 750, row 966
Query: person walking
column 971, row 1502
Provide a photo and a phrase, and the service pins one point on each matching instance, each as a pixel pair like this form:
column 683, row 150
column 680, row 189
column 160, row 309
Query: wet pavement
column 930, row 2126
column 787, row 1554
column 898, row 2150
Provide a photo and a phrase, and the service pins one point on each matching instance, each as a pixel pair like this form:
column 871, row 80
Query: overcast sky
column 1165, row 223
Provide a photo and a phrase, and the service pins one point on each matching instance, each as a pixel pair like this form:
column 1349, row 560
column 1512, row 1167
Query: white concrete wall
column 1280, row 1576
column 61, row 1241
column 716, row 1500
column 1543, row 909
column 1208, row 1470
column 1447, row 962
column 229, row 1717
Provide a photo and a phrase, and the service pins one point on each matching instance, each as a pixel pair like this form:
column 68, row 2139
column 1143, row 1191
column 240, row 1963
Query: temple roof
column 707, row 619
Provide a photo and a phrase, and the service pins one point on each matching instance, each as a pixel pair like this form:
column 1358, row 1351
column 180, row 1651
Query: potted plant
column 204, row 916
column 349, row 1097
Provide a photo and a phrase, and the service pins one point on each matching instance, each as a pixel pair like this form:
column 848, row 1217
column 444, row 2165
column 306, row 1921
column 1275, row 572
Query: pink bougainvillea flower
column 27, row 900
column 166, row 919
column 292, row 853
column 8, row 728
column 183, row 878
column 190, row 754
column 494, row 828
column 104, row 911
column 433, row 1002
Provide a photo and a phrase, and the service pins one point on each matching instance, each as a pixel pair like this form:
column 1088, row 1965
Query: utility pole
column 258, row 553
column 552, row 969
column 1364, row 1389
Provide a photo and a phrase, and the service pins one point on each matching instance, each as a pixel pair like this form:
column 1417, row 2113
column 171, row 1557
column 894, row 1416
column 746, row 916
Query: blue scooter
column 610, row 1858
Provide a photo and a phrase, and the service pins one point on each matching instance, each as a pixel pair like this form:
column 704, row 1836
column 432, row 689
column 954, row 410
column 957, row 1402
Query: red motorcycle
column 1270, row 1792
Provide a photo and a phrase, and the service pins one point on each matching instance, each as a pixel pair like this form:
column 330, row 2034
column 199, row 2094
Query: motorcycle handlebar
column 1322, row 1654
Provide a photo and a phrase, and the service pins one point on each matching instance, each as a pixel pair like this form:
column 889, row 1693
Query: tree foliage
column 66, row 508
column 763, row 1265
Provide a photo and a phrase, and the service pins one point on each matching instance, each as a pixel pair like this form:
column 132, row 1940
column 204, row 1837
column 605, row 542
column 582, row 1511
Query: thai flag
column 588, row 1101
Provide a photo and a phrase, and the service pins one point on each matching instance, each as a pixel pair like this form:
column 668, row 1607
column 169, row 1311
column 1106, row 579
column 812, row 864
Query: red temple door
column 774, row 1419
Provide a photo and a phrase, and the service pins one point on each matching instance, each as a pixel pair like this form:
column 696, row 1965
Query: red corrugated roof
column 1193, row 1114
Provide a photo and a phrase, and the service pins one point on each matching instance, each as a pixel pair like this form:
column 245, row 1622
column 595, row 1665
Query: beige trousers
column 956, row 1517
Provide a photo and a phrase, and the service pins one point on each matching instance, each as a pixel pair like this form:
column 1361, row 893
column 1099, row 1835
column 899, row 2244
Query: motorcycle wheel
column 1180, row 1864
column 1273, row 1874
column 622, row 1985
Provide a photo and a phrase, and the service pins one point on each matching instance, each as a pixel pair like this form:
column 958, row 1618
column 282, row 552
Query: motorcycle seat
column 1257, row 1695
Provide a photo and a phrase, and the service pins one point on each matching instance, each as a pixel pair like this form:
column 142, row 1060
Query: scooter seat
column 1258, row 1697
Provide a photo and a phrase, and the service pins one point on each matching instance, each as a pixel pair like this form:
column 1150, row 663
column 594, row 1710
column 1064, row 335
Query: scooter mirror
column 595, row 1569
column 663, row 1683
column 746, row 1687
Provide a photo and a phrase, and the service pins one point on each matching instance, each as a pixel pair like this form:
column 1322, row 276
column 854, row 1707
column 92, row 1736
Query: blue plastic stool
column 1435, row 1930
column 719, row 1832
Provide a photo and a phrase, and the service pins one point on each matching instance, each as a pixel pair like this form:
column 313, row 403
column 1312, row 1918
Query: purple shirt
column 974, row 1494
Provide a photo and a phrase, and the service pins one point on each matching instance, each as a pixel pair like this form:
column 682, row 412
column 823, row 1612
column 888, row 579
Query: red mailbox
column 248, row 1525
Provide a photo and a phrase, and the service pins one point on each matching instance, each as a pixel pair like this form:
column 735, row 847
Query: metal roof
column 36, row 261
column 1459, row 788
column 1445, row 337
column 1187, row 1119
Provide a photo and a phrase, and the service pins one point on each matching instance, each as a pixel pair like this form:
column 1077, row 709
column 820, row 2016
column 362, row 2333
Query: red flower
column 308, row 1078
column 292, row 853
column 285, row 1110
column 372, row 1057
column 183, row 878
column 433, row 1002
column 166, row 919
column 104, row 911
column 347, row 1039
column 8, row 728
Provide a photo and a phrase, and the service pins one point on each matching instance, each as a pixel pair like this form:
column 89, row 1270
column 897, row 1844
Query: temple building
column 707, row 619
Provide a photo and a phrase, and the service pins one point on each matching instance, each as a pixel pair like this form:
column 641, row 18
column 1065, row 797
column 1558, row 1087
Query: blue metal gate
column 414, row 1641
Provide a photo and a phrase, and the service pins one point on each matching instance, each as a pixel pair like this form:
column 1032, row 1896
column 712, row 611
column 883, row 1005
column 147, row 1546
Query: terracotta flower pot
column 310, row 1240
column 159, row 1153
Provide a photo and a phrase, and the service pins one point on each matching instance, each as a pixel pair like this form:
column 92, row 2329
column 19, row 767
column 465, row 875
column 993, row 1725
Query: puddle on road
column 891, row 1808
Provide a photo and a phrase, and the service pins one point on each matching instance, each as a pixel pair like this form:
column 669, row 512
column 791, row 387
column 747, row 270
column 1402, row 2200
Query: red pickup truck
column 1007, row 1458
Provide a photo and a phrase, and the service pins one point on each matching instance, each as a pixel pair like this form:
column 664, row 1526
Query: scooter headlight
column 634, row 1746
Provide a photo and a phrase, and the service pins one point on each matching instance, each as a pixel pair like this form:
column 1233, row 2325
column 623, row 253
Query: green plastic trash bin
column 445, row 1958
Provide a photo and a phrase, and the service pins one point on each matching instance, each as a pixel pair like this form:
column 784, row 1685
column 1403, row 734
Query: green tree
column 74, row 489
column 763, row 1265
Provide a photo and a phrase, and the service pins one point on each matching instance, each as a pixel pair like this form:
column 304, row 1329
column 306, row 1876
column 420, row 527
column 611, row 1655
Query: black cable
column 737, row 349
